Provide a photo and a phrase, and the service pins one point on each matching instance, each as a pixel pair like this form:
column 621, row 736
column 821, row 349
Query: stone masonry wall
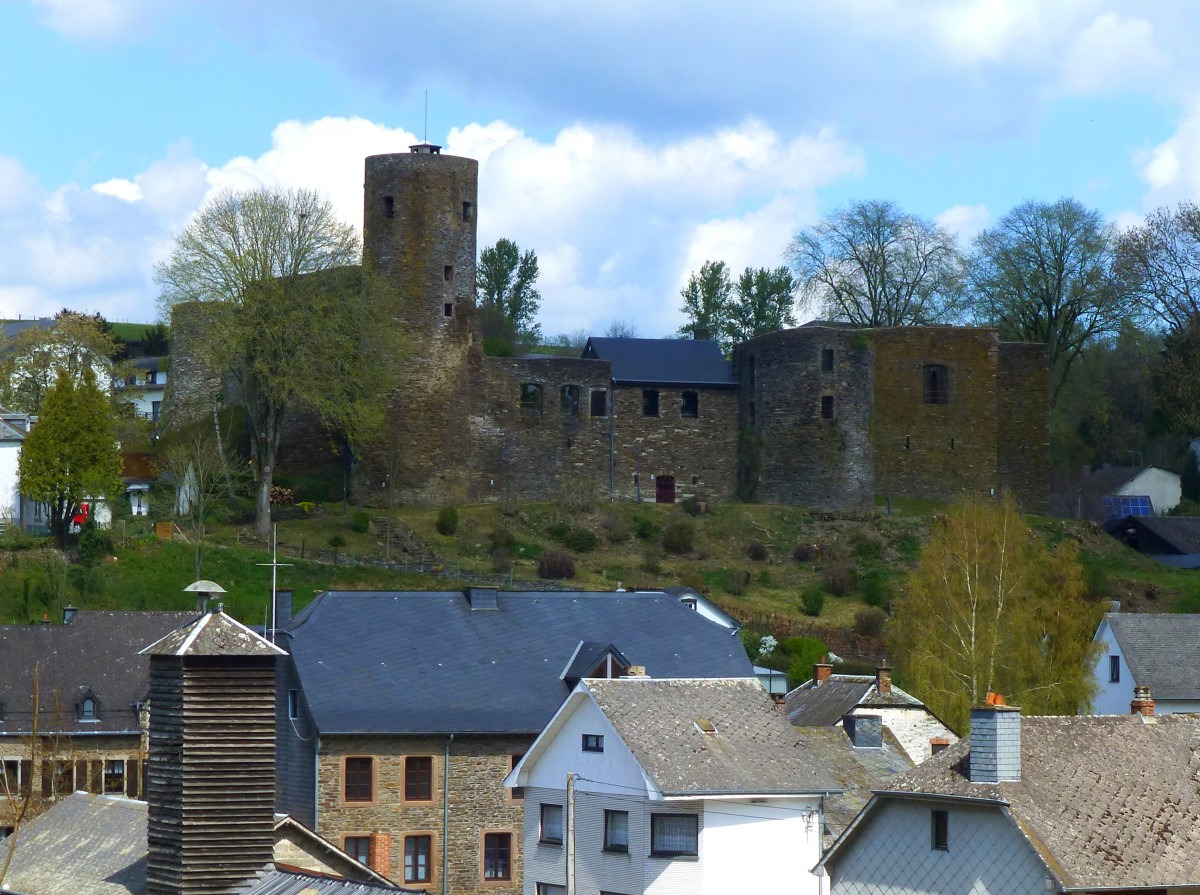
column 935, row 451
column 478, row 802
column 533, row 452
column 796, row 455
column 699, row 452
column 1023, row 434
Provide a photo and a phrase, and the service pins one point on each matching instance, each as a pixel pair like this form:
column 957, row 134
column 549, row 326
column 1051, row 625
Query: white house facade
column 1160, row 651
column 648, row 826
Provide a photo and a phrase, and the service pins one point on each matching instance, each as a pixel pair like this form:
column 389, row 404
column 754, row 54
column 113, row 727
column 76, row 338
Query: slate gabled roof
column 1162, row 651
column 97, row 651
column 212, row 634
column 824, row 704
column 1182, row 533
column 1107, row 800
column 424, row 662
column 663, row 361
column 750, row 749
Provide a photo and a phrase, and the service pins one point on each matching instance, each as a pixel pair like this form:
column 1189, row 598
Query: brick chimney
column 380, row 853
column 821, row 671
column 1143, row 702
column 210, row 788
column 883, row 680
column 995, row 742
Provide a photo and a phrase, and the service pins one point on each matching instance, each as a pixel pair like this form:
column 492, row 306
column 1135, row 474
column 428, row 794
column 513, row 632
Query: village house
column 1038, row 804
column 207, row 824
column 826, row 699
column 401, row 713
column 91, row 700
column 1156, row 651
column 653, row 786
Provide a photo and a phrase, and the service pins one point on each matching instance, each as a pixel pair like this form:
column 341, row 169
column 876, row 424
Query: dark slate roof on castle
column 1108, row 801
column 663, row 361
column 425, row 662
column 96, row 653
column 1162, row 651
column 751, row 748
column 824, row 704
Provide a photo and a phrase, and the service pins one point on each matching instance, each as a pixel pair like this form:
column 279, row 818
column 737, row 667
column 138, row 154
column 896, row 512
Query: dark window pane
column 674, row 834
column 417, row 851
column 359, row 782
column 418, row 778
column 497, row 850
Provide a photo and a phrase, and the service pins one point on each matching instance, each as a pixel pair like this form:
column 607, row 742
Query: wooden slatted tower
column 211, row 771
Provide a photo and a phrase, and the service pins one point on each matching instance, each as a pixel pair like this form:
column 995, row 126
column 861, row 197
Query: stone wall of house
column 935, row 451
column 788, row 451
column 698, row 452
column 478, row 802
column 531, row 429
column 80, row 766
column 1023, row 430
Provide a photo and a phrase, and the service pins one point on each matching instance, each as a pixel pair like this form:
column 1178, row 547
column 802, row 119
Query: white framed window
column 674, row 835
column 552, row 825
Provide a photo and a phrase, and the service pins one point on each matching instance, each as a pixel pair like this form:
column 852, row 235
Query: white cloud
column 1113, row 53
column 965, row 221
column 1171, row 170
column 94, row 20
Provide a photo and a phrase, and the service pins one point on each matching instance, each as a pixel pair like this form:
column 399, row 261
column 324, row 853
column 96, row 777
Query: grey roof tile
column 663, row 361
column 824, row 704
column 432, row 665
column 97, row 652
column 1162, row 651
column 214, row 633
column 1109, row 800
column 751, row 749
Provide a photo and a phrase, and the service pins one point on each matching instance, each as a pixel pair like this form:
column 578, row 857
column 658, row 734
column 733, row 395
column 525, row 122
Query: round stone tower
column 419, row 224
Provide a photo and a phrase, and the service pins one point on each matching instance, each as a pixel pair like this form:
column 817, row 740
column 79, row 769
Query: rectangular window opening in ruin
column 599, row 402
column 937, row 383
column 467, row 211
column 448, row 273
column 750, row 412
column 389, row 207
column 826, row 407
column 649, row 402
column 690, row 408
column 448, row 309
column 827, row 359
column 531, row 396
column 569, row 399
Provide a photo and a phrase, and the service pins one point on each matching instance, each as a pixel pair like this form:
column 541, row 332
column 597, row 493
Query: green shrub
column 693, row 506
column 644, row 528
column 580, row 540
column 501, row 538
column 736, row 582
column 501, row 561
column 757, row 551
column 868, row 546
column 875, row 589
column 556, row 565
column 651, row 560
column 805, row 552
column 558, row 529
column 94, row 544
column 808, row 650
column 812, row 601
column 447, row 521
column 616, row 528
column 869, row 622
column 359, row 522
column 679, row 535
column 1097, row 584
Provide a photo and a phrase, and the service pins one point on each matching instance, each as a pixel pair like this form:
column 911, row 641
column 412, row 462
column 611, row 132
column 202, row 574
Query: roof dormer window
column 89, row 708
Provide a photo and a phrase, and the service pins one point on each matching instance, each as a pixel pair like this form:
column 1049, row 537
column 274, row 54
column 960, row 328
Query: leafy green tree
column 1177, row 382
column 762, row 303
column 1189, row 479
column 35, row 356
column 991, row 608
column 286, row 320
column 874, row 265
column 1045, row 273
column 70, row 456
column 507, row 293
column 156, row 340
column 706, row 299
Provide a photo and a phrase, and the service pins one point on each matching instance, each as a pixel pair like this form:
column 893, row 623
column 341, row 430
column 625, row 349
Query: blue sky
column 625, row 142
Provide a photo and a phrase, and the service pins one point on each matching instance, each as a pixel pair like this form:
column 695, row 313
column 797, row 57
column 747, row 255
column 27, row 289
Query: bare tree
column 18, row 794
column 1159, row 264
column 874, row 265
column 621, row 329
column 196, row 462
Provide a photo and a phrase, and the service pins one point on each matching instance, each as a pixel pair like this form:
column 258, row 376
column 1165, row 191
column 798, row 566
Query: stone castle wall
column 935, row 451
column 789, row 451
column 1023, row 430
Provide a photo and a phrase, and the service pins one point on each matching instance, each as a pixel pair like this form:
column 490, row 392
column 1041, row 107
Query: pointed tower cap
column 212, row 634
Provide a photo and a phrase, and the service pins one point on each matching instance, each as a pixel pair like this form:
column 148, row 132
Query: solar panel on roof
column 1118, row 506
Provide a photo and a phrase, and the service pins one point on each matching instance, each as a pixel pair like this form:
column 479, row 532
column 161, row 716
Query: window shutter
column 81, row 775
column 47, row 779
column 131, row 778
column 26, row 776
column 96, row 783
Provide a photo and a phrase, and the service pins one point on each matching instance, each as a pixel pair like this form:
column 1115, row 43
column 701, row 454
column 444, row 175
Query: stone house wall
column 478, row 802
column 805, row 410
